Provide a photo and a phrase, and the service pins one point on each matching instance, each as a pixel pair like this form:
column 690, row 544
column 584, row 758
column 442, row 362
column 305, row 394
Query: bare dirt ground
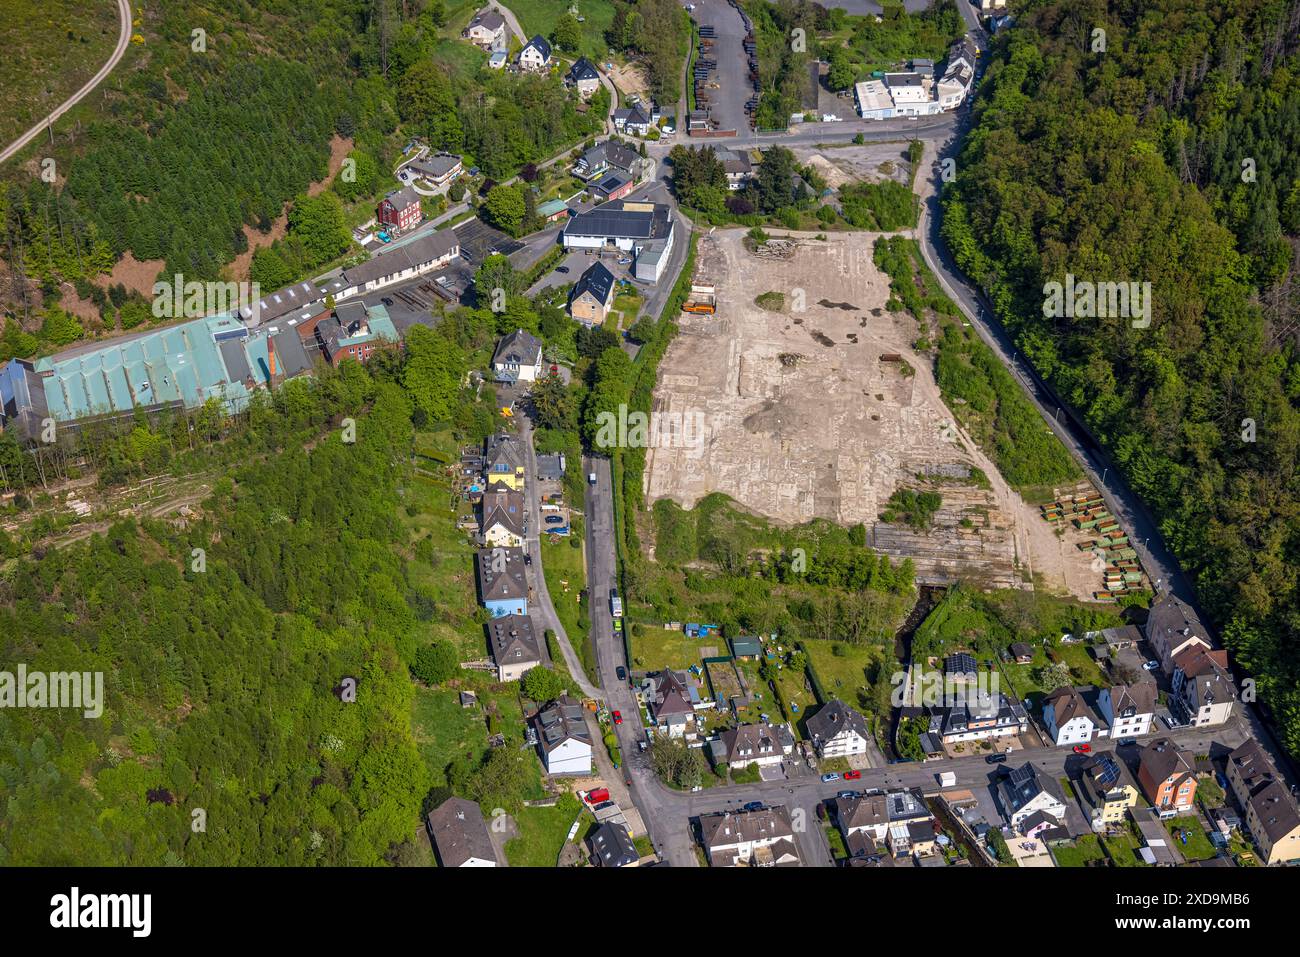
column 802, row 419
column 630, row 78
column 870, row 162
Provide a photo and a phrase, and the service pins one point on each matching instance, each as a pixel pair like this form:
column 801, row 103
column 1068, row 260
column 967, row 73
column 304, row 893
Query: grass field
column 842, row 675
column 542, row 833
column 657, row 648
column 1198, row 846
column 566, row 578
column 539, row 16
column 51, row 48
column 1087, row 848
column 1123, row 850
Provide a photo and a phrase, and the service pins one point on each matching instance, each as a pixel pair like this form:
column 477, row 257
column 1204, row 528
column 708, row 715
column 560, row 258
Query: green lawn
column 657, row 648
column 836, row 840
column 444, row 731
column 1198, row 846
column 566, row 577
column 1124, row 850
column 1080, row 852
column 841, row 674
column 542, row 833
column 797, row 700
column 539, row 16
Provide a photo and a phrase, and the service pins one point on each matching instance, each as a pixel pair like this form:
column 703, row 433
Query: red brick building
column 400, row 211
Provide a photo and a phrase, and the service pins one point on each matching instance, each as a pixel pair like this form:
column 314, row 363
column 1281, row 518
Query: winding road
column 123, row 40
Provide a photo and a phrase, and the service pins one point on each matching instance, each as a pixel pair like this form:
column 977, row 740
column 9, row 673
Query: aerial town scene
column 641, row 434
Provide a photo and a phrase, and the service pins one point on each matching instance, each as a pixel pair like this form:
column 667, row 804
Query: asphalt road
column 123, row 40
column 543, row 609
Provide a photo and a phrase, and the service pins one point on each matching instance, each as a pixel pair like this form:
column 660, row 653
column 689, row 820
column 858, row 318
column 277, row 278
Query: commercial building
column 644, row 231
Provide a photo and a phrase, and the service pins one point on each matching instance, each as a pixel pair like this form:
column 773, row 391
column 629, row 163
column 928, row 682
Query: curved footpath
column 123, row 40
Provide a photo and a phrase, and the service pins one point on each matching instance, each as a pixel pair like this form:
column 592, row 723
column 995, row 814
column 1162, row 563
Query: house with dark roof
column 286, row 355
column 583, row 77
column 563, row 738
column 514, row 646
column 1025, row 790
column 670, row 699
column 1171, row 627
column 606, row 156
column 1128, row 709
column 613, row 185
column 746, row 646
column 503, row 461
column 1271, row 814
column 1107, row 789
column 838, row 731
column 1068, row 718
column 399, row 210
column 978, row 717
column 487, row 29
column 438, row 169
column 460, row 835
column 960, row 666
column 611, row 846
column 502, row 585
column 633, row 119
column 550, row 466
column 866, row 814
column 536, row 55
column 760, row 838
column 504, row 520
column 518, row 357
column 1203, row 690
column 593, row 294
column 1022, row 653
column 1167, row 774
column 737, row 166
column 763, row 745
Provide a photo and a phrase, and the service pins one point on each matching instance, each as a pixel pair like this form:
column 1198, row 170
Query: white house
column 563, row 738
column 503, row 518
column 536, row 56
column 1128, row 710
column 518, row 357
column 583, row 77
column 1172, row 627
column 867, row 814
column 760, row 838
column 1204, row 692
column 671, row 702
column 1024, row 792
column 514, row 646
column 487, row 29
column 760, row 744
column 1068, row 718
column 838, row 731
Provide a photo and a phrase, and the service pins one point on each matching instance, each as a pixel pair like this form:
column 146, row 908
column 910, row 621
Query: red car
column 618, row 717
column 852, row 775
column 1083, row 749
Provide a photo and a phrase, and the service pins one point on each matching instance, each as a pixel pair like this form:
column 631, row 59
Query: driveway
column 727, row 102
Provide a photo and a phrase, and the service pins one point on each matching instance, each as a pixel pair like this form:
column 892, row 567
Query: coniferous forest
column 1169, row 156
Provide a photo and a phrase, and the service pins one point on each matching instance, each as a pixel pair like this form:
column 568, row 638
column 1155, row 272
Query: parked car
column 386, row 301
column 624, row 261
column 852, row 775
column 847, row 795
column 591, row 478
column 1151, row 665
column 621, row 672
column 618, row 717
column 830, row 776
column 1083, row 749
column 528, row 559
column 995, row 759
column 561, row 269
column 754, row 806
column 554, row 519
column 1125, row 742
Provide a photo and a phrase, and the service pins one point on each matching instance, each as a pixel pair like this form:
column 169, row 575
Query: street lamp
column 1103, row 474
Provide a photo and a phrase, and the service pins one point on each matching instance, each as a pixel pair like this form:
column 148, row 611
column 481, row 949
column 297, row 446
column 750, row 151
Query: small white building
column 1128, row 709
column 563, row 738
column 1024, row 792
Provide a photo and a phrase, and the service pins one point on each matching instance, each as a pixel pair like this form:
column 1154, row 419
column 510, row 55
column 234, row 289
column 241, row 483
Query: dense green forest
column 1163, row 150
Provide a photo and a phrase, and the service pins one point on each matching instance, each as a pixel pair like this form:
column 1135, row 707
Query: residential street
column 543, row 609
